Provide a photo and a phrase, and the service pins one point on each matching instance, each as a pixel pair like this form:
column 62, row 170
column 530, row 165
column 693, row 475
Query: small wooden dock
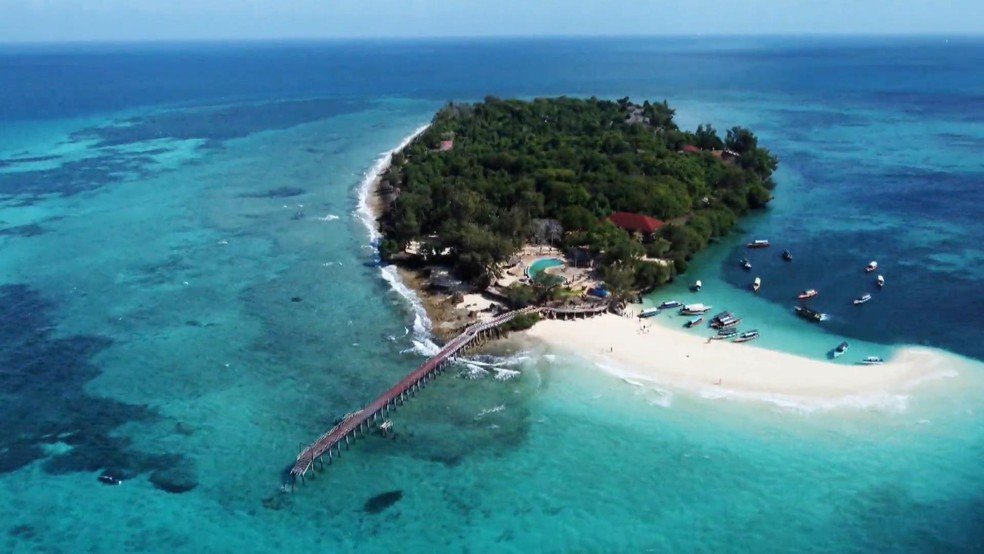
column 358, row 423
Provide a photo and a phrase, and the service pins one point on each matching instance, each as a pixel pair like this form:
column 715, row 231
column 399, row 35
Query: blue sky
column 72, row 20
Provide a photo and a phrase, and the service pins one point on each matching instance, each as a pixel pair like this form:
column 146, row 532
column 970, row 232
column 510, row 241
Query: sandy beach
column 689, row 361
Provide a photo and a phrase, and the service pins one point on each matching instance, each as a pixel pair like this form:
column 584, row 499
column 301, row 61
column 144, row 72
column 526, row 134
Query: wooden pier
column 358, row 423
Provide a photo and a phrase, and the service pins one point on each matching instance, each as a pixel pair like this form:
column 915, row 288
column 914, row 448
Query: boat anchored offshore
column 862, row 300
column 697, row 286
column 880, row 281
column 873, row 265
column 841, row 349
column 747, row 336
column 810, row 315
column 872, row 360
column 760, row 243
column 787, row 255
column 757, row 284
column 649, row 312
column 808, row 293
column 695, row 309
column 670, row 304
column 747, row 265
column 695, row 321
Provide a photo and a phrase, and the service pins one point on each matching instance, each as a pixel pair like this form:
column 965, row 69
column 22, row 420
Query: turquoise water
column 543, row 264
column 188, row 293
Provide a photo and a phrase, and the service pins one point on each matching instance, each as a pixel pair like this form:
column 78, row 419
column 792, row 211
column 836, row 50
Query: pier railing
column 329, row 444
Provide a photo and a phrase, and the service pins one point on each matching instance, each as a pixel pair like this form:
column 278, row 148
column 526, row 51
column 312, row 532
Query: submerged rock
column 382, row 501
column 175, row 480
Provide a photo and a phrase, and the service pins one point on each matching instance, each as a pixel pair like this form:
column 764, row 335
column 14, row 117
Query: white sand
column 685, row 360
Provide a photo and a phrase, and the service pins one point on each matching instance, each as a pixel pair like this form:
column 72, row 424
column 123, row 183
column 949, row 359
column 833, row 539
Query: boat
column 722, row 315
column 757, row 284
column 872, row 360
column 787, row 255
column 725, row 334
column 729, row 323
column 697, row 286
column 745, row 263
column 808, row 293
column 841, row 348
column 810, row 315
column 695, row 321
column 880, row 281
column 871, row 266
column 724, row 319
column 649, row 312
column 862, row 300
column 694, row 309
column 747, row 336
column 761, row 243
column 670, row 304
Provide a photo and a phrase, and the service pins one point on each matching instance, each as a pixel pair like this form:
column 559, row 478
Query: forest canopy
column 483, row 178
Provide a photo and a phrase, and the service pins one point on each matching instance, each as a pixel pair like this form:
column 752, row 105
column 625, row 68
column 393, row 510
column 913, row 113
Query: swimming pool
column 542, row 264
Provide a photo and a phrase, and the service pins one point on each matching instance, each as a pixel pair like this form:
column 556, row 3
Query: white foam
column 488, row 411
column 502, row 374
column 329, row 217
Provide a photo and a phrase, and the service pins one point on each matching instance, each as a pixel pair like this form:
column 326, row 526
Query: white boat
column 747, row 336
column 862, row 300
column 649, row 312
column 841, row 349
column 760, row 243
column 671, row 304
column 871, row 266
column 694, row 309
column 757, row 284
column 808, row 293
column 880, row 281
column 872, row 360
column 697, row 285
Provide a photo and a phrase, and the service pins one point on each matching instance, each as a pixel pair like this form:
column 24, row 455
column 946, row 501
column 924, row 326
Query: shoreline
column 720, row 369
column 661, row 355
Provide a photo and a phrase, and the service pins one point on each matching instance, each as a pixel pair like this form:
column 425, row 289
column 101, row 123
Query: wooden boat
column 729, row 323
column 725, row 334
column 724, row 319
column 649, row 312
column 872, row 360
column 756, row 284
column 747, row 265
column 841, row 349
column 873, row 265
column 880, row 281
column 787, row 255
column 722, row 315
column 808, row 293
column 695, row 321
column 670, row 304
column 810, row 315
column 747, row 336
column 761, row 243
column 694, row 309
column 862, row 300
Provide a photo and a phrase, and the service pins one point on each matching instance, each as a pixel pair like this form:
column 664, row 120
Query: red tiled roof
column 690, row 148
column 635, row 222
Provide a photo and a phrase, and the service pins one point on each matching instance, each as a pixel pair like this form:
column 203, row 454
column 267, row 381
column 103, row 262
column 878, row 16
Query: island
column 503, row 204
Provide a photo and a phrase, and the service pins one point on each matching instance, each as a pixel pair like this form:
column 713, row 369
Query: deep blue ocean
column 187, row 293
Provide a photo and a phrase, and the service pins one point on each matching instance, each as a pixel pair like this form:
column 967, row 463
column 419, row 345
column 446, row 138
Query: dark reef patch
column 26, row 231
column 42, row 391
column 382, row 501
column 75, row 177
column 279, row 192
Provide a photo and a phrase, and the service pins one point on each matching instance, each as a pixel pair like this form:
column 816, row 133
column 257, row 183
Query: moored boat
column 747, row 336
column 697, row 286
column 670, row 304
column 728, row 323
column 695, row 309
column 841, row 348
column 760, row 243
column 695, row 321
column 649, row 312
column 787, row 255
column 873, row 265
column 872, row 360
column 880, row 281
column 808, row 293
column 725, row 334
column 757, row 284
column 810, row 315
column 747, row 265
column 862, row 299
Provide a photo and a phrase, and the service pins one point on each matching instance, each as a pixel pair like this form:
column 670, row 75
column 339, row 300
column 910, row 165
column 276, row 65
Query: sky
column 137, row 20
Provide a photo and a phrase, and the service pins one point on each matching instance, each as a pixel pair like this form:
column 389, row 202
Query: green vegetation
column 521, row 322
column 551, row 171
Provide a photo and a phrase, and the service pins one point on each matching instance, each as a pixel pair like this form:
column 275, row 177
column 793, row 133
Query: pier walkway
column 358, row 423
